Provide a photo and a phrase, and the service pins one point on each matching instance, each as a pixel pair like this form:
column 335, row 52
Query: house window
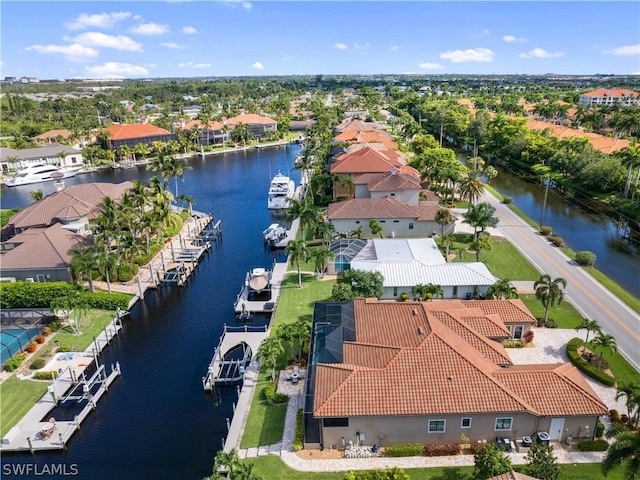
column 383, row 221
column 437, row 426
column 393, row 194
column 465, row 422
column 410, row 225
column 357, row 222
column 517, row 331
column 336, row 422
column 455, row 291
column 503, row 424
column 396, row 221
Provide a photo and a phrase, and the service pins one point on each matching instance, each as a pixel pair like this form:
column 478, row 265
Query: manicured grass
column 265, row 422
column 273, row 467
column 16, row 399
column 5, row 214
column 620, row 368
column 564, row 314
column 503, row 259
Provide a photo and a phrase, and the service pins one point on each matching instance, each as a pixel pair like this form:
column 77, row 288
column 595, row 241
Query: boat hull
column 68, row 173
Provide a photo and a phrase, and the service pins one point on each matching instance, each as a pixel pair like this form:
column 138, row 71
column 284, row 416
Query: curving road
column 591, row 299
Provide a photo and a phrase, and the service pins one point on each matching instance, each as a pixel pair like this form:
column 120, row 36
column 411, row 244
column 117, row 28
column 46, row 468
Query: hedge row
column 584, row 366
column 40, row 295
column 395, row 473
column 593, row 445
column 272, row 396
column 441, row 449
column 404, row 450
column 298, row 440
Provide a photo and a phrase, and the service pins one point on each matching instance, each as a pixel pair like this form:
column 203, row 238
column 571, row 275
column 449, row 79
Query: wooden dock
column 222, row 370
column 243, row 303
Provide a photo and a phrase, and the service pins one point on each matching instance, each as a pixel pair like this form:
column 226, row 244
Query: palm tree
column 549, row 292
column 307, row 213
column 106, row 260
column 73, row 306
column 188, row 199
column 376, row 228
column 447, row 242
column 298, row 254
column 320, row 256
column 603, row 342
column 631, row 392
column 268, row 354
column 481, row 216
column 36, row 195
column 502, row 290
column 625, row 449
column 444, row 217
column 84, row 263
column 428, row 291
column 591, row 326
column 471, row 189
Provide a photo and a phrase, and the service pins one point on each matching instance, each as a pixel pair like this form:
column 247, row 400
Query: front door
column 555, row 430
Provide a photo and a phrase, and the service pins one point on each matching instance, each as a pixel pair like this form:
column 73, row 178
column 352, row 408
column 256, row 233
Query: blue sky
column 145, row 39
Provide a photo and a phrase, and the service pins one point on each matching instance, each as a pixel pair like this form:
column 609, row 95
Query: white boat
column 40, row 172
column 274, row 233
column 258, row 279
column 281, row 191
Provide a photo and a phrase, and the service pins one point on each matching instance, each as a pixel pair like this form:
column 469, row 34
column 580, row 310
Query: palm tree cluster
column 549, row 291
column 123, row 231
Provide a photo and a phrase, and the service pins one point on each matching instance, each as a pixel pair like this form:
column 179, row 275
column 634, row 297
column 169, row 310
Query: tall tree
column 490, row 462
column 444, row 217
column 549, row 291
column 268, row 354
column 591, row 326
column 471, row 189
column 541, row 462
column 84, row 263
column 502, row 290
column 320, row 257
column 298, row 254
column 604, row 342
column 625, row 449
column 482, row 242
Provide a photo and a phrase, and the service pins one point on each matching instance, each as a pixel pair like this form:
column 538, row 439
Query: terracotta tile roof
column 382, row 182
column 73, row 200
column 615, row 92
column 431, row 196
column 598, row 142
column 509, row 311
column 365, row 160
column 250, row 118
column 406, row 361
column 377, row 136
column 351, row 124
column 380, row 208
column 212, row 125
column 40, row 248
column 64, row 133
column 134, row 130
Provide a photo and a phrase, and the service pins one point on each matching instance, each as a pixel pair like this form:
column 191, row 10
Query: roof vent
column 449, row 378
column 420, row 331
column 414, row 312
column 394, row 170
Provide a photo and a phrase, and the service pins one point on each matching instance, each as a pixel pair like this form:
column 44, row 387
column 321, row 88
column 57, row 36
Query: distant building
column 52, row 154
column 131, row 134
column 258, row 124
column 622, row 97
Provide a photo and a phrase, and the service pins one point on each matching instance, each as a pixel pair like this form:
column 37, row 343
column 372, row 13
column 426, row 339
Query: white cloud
column 258, row 66
column 150, row 29
column 117, row 70
column 486, row 31
column 513, row 38
column 99, row 39
column 340, row 46
column 541, row 53
column 242, row 3
column 97, row 20
column 172, row 45
column 74, row 52
column 625, row 50
column 360, row 46
column 394, row 48
column 431, row 66
column 189, row 30
column 481, row 55
column 194, row 65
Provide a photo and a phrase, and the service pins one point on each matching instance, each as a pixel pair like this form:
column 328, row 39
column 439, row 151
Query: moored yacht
column 281, row 191
column 40, row 172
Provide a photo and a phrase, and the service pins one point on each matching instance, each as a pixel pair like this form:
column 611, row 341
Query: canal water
column 580, row 225
column 156, row 421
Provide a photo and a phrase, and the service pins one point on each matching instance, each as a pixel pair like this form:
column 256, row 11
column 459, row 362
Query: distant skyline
column 175, row 38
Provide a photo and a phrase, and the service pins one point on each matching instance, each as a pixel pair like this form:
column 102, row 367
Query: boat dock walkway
column 290, row 235
column 243, row 303
column 224, row 371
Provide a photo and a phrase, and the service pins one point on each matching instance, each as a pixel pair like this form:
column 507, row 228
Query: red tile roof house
column 131, row 134
column 36, row 241
column 213, row 133
column 619, row 96
column 430, row 372
column 258, row 124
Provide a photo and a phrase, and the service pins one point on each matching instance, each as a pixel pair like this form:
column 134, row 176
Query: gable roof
column 40, row 248
column 381, row 208
column 250, row 118
column 613, row 92
column 393, row 180
column 598, row 142
column 352, row 124
column 510, row 311
column 50, row 150
column 134, row 130
column 365, row 160
column 407, row 361
column 211, row 125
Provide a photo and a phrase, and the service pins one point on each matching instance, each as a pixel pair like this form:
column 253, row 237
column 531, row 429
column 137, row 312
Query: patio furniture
column 47, row 430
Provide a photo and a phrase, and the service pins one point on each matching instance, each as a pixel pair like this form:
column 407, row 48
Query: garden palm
column 625, row 449
column 549, row 291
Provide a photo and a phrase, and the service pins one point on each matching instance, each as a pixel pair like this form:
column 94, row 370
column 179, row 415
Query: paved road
column 586, row 294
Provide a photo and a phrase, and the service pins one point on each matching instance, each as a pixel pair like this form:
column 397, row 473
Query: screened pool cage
column 344, row 250
column 18, row 327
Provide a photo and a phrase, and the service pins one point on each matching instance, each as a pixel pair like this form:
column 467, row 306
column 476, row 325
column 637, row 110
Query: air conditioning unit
column 29, row 280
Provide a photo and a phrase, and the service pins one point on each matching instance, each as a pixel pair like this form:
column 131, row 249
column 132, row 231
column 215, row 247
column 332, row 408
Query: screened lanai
column 18, row 327
column 344, row 250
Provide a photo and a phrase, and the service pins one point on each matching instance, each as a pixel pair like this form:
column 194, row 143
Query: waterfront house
column 403, row 187
column 432, row 372
column 52, row 154
column 131, row 134
column 599, row 142
column 36, row 241
column 259, row 125
column 213, row 133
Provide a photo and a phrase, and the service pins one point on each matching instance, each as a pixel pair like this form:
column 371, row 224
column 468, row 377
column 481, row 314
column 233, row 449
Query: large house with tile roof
column 36, row 241
column 599, row 142
column 429, row 372
column 212, row 133
column 403, row 187
column 376, row 136
column 617, row 96
column 52, row 154
column 259, row 125
column 131, row 134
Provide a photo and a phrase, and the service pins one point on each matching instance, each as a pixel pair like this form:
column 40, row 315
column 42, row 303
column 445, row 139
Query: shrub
column 585, row 367
column 475, row 447
column 557, row 241
column 107, row 301
column 14, row 362
column 551, row 323
column 513, row 344
column 404, row 450
column 46, row 331
column 40, row 339
column 585, row 258
column 64, row 347
column 528, row 337
column 599, row 429
column 404, row 297
column 33, row 295
column 272, row 396
column 45, row 375
column 125, row 272
column 54, row 326
column 37, row 364
column 545, row 230
column 614, row 415
column 507, row 200
column 298, row 439
column 593, row 445
column 31, row 347
column 441, row 449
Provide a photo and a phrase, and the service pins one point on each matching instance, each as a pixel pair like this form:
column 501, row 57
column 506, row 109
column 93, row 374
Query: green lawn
column 16, row 398
column 503, row 259
column 265, row 422
column 621, row 369
column 273, row 467
column 564, row 314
